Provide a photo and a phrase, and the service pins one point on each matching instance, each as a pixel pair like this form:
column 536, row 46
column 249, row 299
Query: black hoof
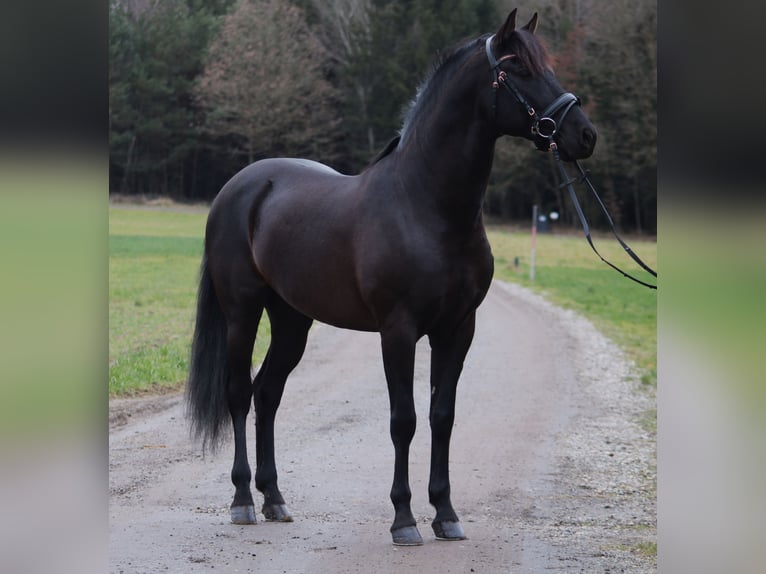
column 276, row 513
column 243, row 514
column 447, row 530
column 407, row 536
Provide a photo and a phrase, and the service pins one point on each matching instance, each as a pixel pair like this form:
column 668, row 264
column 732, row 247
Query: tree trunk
column 128, row 166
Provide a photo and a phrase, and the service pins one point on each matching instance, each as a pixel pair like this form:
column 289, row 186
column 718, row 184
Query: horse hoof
column 447, row 530
column 407, row 536
column 276, row 513
column 243, row 514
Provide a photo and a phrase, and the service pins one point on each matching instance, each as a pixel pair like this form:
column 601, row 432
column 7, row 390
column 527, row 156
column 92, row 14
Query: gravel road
column 552, row 469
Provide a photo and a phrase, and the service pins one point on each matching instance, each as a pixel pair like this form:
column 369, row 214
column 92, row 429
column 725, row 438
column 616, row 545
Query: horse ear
column 506, row 29
column 532, row 26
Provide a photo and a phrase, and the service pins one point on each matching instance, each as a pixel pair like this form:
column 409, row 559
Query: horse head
column 528, row 100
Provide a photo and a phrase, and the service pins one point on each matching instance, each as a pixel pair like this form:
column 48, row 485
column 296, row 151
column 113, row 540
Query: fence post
column 534, row 243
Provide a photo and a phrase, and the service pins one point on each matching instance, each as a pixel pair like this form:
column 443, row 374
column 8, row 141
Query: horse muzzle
column 546, row 129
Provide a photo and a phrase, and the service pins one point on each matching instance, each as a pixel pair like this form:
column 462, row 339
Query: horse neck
column 448, row 157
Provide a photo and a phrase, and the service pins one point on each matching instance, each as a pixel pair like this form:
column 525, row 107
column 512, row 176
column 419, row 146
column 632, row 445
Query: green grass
column 154, row 258
column 647, row 549
column 569, row 274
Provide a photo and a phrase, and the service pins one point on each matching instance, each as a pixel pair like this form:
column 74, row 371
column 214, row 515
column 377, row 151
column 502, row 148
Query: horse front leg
column 447, row 355
column 398, row 346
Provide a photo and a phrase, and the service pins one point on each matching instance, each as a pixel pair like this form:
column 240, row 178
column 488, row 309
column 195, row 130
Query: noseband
column 543, row 125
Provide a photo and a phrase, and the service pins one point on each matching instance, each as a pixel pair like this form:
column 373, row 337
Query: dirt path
column 551, row 469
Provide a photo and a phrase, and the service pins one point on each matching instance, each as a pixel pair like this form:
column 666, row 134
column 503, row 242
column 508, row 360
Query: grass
column 568, row 273
column 154, row 258
column 648, row 548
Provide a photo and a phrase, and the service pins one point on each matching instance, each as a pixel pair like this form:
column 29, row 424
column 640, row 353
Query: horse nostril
column 589, row 137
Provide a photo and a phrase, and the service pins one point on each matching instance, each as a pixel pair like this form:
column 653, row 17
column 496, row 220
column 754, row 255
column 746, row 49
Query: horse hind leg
column 219, row 387
column 240, row 340
column 289, row 331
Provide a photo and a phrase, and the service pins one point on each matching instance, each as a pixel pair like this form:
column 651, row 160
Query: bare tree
column 346, row 25
column 344, row 20
column 265, row 81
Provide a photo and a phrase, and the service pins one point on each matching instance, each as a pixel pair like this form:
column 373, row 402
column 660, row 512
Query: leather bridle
column 544, row 125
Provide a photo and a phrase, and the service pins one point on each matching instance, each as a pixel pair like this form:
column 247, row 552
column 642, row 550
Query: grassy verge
column 154, row 258
column 568, row 273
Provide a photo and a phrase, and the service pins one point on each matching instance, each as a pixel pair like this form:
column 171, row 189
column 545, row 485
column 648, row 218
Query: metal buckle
column 546, row 130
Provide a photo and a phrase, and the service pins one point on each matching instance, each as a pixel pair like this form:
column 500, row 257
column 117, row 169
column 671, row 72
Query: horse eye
column 518, row 68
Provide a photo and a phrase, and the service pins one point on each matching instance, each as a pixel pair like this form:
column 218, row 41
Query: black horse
column 399, row 249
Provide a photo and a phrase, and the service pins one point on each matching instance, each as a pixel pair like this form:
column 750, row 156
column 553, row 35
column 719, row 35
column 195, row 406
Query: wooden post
column 534, row 244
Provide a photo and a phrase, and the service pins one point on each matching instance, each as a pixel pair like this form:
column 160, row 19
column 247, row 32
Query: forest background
column 200, row 88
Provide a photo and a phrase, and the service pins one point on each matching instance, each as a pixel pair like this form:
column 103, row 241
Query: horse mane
column 528, row 47
column 390, row 146
column 444, row 68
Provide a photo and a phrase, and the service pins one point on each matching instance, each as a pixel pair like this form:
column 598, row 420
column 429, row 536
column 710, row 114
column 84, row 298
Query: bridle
column 544, row 128
column 544, row 125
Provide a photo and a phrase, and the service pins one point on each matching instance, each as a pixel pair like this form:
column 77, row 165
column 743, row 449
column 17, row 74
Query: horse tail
column 206, row 398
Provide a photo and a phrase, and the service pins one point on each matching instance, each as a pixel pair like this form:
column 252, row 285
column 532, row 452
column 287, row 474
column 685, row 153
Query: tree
column 403, row 41
column 156, row 49
column 622, row 74
column 265, row 81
